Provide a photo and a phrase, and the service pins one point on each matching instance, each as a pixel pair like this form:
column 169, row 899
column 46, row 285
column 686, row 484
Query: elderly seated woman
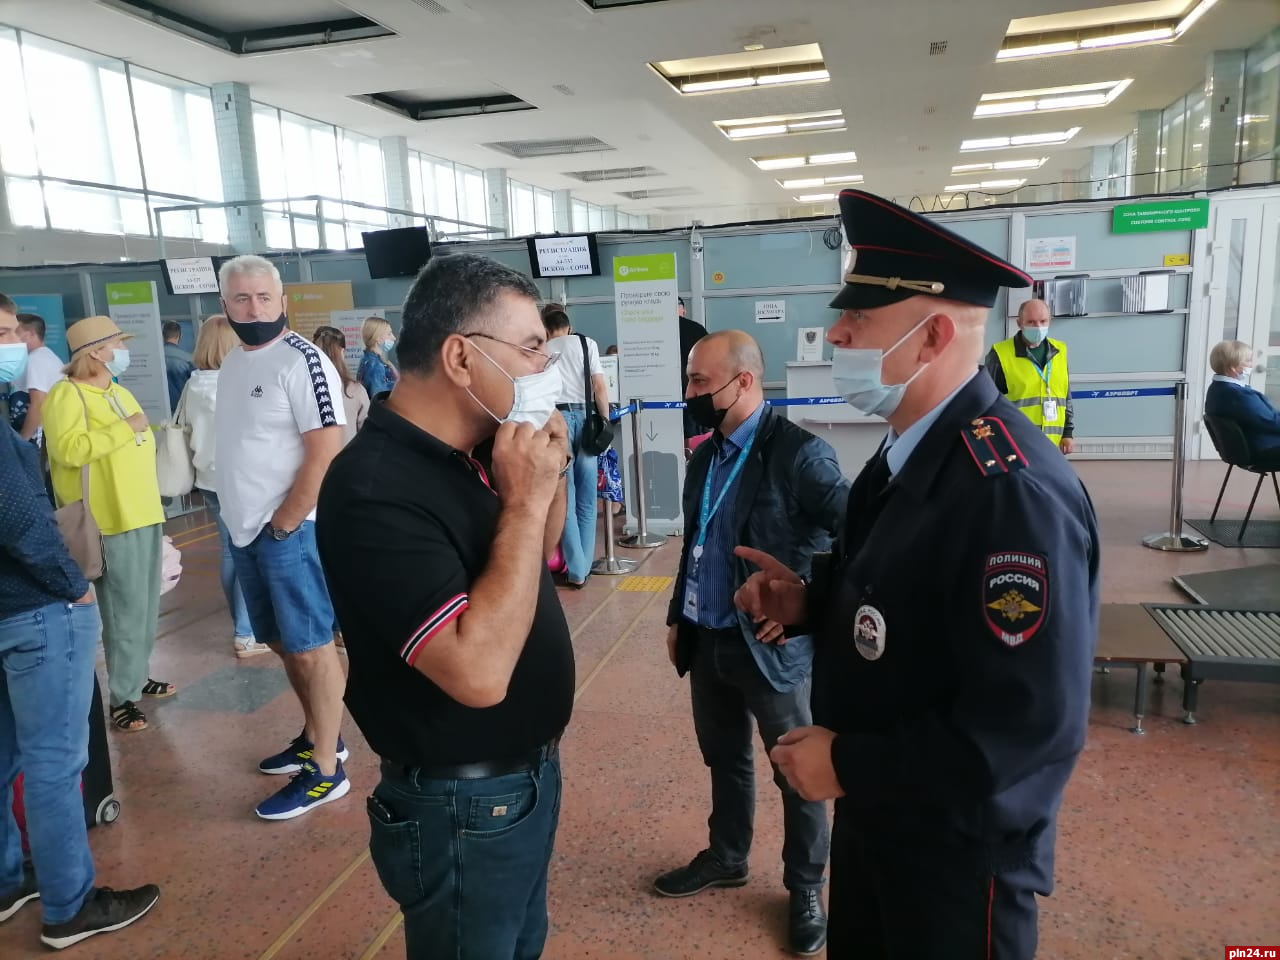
column 1231, row 397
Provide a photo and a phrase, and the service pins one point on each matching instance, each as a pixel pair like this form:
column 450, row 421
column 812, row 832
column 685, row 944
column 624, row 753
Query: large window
column 91, row 143
column 453, row 191
column 303, row 158
column 1259, row 140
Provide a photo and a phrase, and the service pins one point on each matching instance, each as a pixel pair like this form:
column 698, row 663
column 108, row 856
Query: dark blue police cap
column 899, row 254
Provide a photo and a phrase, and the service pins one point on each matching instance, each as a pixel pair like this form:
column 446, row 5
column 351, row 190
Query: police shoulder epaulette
column 992, row 447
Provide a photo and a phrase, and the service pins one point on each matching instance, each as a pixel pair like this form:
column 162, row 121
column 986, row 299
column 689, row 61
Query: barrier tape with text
column 1126, row 394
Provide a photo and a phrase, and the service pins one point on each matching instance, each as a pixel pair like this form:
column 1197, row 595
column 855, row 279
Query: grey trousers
column 129, row 598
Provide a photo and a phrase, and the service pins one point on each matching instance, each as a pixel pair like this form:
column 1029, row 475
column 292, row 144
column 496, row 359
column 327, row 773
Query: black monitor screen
column 564, row 256
column 396, row 253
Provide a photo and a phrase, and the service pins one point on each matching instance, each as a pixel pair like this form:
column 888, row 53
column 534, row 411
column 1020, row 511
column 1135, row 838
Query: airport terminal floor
column 1168, row 843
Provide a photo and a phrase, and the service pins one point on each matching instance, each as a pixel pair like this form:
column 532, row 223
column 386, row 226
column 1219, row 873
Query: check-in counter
column 855, row 437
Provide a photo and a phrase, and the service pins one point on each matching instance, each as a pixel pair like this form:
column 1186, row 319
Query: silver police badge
column 868, row 632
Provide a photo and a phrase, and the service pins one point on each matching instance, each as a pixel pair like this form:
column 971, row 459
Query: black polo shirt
column 405, row 524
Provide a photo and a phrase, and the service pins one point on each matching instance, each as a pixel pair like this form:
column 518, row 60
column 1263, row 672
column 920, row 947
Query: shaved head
column 739, row 349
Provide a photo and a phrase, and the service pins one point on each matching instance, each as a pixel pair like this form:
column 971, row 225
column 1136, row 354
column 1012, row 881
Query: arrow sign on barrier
column 650, row 434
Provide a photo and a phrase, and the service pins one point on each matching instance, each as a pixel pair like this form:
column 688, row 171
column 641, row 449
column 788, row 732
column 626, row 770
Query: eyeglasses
column 548, row 359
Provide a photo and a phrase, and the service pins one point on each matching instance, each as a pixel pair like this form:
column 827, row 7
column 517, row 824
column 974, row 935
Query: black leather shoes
column 705, row 871
column 807, row 928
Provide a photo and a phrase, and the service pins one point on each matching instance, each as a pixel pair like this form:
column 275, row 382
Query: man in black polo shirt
column 462, row 671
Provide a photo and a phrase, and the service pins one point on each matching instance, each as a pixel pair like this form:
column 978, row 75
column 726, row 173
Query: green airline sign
column 652, row 266
column 120, row 294
column 1162, row 215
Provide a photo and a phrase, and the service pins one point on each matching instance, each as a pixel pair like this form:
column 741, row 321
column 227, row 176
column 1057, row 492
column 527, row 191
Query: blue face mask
column 13, row 361
column 1035, row 335
column 119, row 361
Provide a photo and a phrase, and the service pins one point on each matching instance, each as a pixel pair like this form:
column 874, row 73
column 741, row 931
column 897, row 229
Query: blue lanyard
column 1048, row 367
column 708, row 508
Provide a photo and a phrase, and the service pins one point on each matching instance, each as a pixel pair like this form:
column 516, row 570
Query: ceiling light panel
column 813, row 160
column 1095, row 30
column 815, row 197
column 822, row 121
column 805, row 184
column 1029, row 164
column 1009, row 184
column 1001, row 143
column 1048, row 99
column 742, row 71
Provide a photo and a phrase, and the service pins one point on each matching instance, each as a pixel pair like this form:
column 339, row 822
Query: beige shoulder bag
column 79, row 530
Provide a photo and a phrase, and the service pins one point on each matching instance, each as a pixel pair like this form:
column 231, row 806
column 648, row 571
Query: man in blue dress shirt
column 765, row 482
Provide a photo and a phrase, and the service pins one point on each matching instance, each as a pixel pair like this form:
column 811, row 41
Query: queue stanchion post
column 610, row 565
column 642, row 539
column 1174, row 540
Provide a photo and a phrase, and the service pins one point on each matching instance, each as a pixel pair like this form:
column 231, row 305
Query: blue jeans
column 579, row 541
column 227, row 570
column 47, row 658
column 467, row 859
column 284, row 589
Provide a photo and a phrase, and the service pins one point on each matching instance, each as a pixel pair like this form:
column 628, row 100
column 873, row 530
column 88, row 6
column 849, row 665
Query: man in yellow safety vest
column 1031, row 370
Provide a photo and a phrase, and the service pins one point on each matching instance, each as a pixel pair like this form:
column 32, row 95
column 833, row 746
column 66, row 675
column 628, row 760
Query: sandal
column 128, row 717
column 158, row 689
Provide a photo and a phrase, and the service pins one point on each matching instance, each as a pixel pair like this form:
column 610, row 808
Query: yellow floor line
column 187, row 543
column 315, row 905
column 203, row 526
column 385, row 934
column 391, row 925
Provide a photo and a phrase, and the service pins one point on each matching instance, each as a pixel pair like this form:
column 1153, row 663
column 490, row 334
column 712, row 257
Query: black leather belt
column 571, row 406
column 478, row 770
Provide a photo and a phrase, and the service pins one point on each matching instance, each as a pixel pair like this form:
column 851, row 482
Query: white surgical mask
column 1245, row 374
column 119, row 361
column 858, row 377
column 533, row 398
column 1035, row 335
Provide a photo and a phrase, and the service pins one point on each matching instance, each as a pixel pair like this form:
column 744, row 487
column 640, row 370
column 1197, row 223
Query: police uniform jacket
column 955, row 639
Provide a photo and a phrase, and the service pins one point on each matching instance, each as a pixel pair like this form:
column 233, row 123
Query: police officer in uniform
column 956, row 619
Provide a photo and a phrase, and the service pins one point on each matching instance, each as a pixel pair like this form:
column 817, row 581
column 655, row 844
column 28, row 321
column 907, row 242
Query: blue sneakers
column 308, row 789
column 292, row 758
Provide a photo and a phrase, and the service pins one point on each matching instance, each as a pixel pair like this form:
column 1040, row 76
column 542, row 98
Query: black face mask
column 255, row 333
column 702, row 408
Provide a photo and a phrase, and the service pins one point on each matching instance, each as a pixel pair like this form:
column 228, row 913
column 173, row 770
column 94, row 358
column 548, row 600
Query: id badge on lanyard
column 690, row 608
column 1049, row 405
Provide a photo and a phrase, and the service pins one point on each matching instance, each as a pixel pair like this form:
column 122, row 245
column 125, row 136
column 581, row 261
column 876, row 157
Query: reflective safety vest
column 1029, row 387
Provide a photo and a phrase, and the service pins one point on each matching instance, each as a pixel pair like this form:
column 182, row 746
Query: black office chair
column 1233, row 448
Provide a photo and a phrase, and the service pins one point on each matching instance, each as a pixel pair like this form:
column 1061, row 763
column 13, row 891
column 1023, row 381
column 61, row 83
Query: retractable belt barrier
column 1172, row 540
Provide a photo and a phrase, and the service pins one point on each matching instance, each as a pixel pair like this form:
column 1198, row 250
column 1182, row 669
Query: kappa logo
column 256, row 392
column 1015, row 596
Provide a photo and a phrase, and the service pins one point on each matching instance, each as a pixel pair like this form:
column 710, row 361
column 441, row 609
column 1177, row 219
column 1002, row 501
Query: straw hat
column 93, row 332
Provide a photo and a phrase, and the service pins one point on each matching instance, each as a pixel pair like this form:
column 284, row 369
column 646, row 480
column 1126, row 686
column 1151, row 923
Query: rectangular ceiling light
column 1000, row 143
column 813, row 160
column 1033, row 164
column 741, row 71
column 815, row 197
column 821, row 121
column 984, row 185
column 820, row 182
column 1101, row 33
column 1045, row 100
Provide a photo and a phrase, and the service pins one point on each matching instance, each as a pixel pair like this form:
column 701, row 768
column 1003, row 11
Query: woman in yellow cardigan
column 90, row 419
